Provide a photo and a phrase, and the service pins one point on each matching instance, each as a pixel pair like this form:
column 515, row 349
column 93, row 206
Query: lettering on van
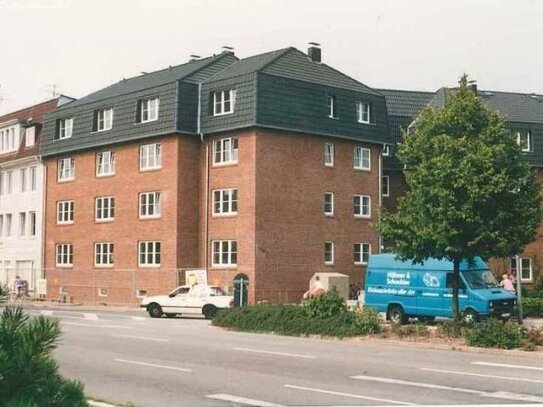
column 392, row 291
column 395, row 278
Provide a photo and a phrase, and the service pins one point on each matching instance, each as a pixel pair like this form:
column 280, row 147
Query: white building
column 22, row 193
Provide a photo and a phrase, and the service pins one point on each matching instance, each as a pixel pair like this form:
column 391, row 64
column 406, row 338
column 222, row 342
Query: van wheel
column 209, row 311
column 396, row 315
column 154, row 310
column 426, row 319
column 470, row 316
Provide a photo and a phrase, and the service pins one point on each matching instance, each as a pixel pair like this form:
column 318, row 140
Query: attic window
column 103, row 119
column 147, row 110
column 223, row 102
column 386, row 150
column 64, row 128
column 9, row 140
column 332, row 107
column 524, row 140
column 363, row 112
column 30, row 136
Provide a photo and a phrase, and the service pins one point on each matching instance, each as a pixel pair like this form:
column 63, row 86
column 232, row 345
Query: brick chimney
column 314, row 51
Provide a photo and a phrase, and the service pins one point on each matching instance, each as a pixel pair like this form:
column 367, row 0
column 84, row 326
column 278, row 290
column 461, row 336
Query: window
column 329, row 203
column 329, row 253
column 23, row 180
column 524, row 141
column 147, row 110
column 105, row 208
column 332, row 107
column 149, row 254
column 8, row 224
column 65, row 255
column 103, row 254
column 105, row 163
column 449, row 282
column 150, row 205
column 66, row 169
column 2, row 182
column 363, row 112
column 225, row 253
column 329, row 154
column 22, row 224
column 386, row 150
column 65, row 212
column 385, row 186
column 64, row 128
column 9, row 182
column 225, row 151
column 225, row 201
column 30, row 136
column 103, row 119
column 362, row 253
column 150, row 157
column 1, row 224
column 33, row 179
column 9, row 140
column 32, row 223
column 362, row 206
column 362, row 158
column 525, row 268
column 223, row 102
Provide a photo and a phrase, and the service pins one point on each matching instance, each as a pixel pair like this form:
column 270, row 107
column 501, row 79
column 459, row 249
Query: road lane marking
column 519, row 379
column 145, row 338
column 497, row 394
column 179, row 369
column 96, row 326
column 47, row 313
column 507, row 365
column 269, row 352
column 242, row 400
column 90, row 316
column 355, row 396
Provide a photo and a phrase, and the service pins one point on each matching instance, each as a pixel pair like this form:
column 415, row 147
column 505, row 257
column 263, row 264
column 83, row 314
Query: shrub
column 367, row 321
column 326, row 305
column 534, row 294
column 532, row 307
column 494, row 333
column 534, row 336
column 452, row 329
column 416, row 329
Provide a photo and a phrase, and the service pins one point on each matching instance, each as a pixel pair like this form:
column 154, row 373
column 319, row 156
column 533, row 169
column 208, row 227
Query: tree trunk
column 455, row 285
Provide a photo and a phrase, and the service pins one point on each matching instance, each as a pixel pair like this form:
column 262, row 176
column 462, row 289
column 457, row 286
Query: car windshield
column 480, row 279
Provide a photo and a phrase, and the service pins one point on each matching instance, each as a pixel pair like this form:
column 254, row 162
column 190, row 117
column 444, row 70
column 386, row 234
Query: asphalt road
column 128, row 356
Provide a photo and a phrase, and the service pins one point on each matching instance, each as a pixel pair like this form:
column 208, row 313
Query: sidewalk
column 75, row 307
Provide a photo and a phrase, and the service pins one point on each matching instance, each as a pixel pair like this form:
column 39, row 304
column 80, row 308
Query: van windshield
column 480, row 279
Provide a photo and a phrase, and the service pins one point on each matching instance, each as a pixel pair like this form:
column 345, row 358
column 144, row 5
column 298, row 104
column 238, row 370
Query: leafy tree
column 28, row 373
column 470, row 192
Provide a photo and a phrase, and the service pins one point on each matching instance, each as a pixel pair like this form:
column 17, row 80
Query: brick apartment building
column 524, row 117
column 268, row 166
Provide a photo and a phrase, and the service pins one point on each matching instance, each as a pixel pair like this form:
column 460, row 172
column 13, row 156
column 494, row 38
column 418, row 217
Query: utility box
column 331, row 280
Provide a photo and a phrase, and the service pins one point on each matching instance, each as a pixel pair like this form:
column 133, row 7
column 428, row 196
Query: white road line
column 509, row 378
column 47, row 313
column 498, row 395
column 139, row 318
column 96, row 326
column 145, row 338
column 242, row 400
column 355, row 396
column 507, row 365
column 179, row 369
column 269, row 352
column 90, row 316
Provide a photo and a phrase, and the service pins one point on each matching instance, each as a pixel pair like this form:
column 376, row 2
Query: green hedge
column 494, row 333
column 532, row 307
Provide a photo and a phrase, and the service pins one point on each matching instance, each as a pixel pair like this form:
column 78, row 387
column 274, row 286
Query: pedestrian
column 507, row 284
column 18, row 285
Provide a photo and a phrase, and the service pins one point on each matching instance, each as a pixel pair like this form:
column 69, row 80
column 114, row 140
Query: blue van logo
column 430, row 280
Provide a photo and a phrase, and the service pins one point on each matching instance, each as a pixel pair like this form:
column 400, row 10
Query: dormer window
column 332, row 107
column 524, row 140
column 103, row 119
column 64, row 128
column 147, row 110
column 9, row 140
column 30, row 136
column 223, row 102
column 386, row 150
column 363, row 112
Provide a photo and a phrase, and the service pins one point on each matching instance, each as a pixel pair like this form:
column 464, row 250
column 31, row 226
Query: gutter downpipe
column 380, row 196
column 206, row 199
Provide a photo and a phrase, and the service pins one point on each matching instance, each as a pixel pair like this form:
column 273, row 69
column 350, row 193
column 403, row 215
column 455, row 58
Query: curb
column 93, row 403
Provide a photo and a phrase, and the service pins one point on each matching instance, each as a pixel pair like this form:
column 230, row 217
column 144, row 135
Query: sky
column 79, row 46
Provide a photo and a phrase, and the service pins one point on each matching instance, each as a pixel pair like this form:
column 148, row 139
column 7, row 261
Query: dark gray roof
column 406, row 102
column 146, row 81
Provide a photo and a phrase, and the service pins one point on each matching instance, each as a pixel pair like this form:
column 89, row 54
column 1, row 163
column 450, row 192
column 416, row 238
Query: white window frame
column 360, row 249
column 33, row 178
column 144, row 205
column 151, row 157
column 331, row 204
column 333, row 112
column 65, row 209
column 228, row 248
column 329, row 262
column 22, row 224
column 225, row 202
column 33, row 224
column 23, row 178
column 155, row 247
column 329, row 154
column 65, row 169
column 103, row 254
column 66, row 253
column 359, row 159
column 104, row 119
column 530, row 268
column 385, row 181
column 361, row 205
column 220, row 101
column 1, row 225
column 386, row 150
column 225, row 151
column 149, row 107
column 30, row 136
column 9, row 140
column 363, row 112
column 9, row 220
column 104, row 208
column 65, row 128
column 105, row 164
column 528, row 147
column 9, row 182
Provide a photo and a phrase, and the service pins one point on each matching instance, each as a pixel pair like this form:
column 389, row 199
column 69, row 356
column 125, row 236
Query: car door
column 195, row 299
column 175, row 302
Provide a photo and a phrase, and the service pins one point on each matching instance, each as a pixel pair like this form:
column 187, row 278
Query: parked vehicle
column 200, row 299
column 404, row 290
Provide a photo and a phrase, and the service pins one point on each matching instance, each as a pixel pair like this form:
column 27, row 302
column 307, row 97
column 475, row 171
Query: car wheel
column 154, row 310
column 396, row 315
column 170, row 315
column 426, row 319
column 470, row 316
column 209, row 311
